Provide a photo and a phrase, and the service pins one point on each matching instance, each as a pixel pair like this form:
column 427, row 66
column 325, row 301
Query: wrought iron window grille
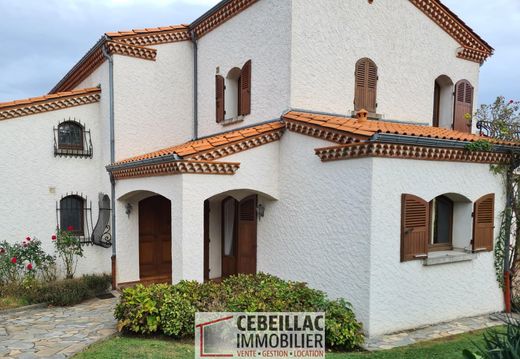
column 71, row 139
column 75, row 208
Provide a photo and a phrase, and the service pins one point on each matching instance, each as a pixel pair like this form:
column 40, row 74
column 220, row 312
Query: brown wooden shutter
column 366, row 86
column 484, row 223
column 246, row 251
column 244, row 98
column 415, row 219
column 220, row 88
column 463, row 105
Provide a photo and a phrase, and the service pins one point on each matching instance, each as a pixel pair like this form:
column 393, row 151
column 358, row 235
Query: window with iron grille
column 74, row 215
column 72, row 139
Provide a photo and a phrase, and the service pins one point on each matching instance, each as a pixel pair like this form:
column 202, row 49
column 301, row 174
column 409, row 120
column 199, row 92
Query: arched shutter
column 484, row 223
column 220, row 87
column 246, row 251
column 463, row 106
column 244, row 107
column 415, row 218
column 366, row 86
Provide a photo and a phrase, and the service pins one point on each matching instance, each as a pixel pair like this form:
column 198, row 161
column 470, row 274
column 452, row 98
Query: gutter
column 112, row 156
column 208, row 13
column 434, row 142
column 195, row 85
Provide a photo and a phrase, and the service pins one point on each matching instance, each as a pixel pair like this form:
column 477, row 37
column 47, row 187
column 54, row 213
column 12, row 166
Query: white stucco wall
column 153, row 100
column 33, row 179
column 261, row 33
column 407, row 295
column 410, row 50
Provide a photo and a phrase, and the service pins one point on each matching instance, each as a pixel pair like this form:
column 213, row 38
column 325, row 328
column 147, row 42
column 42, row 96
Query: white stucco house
column 320, row 141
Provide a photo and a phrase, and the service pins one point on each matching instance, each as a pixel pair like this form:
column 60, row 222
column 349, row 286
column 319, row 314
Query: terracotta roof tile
column 194, row 148
column 147, row 30
column 33, row 100
column 368, row 128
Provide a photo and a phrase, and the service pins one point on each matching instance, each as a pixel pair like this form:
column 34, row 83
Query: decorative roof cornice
column 413, row 152
column 58, row 101
column 218, row 15
column 152, row 36
column 321, row 132
column 472, row 55
column 141, row 52
column 456, row 28
column 176, row 167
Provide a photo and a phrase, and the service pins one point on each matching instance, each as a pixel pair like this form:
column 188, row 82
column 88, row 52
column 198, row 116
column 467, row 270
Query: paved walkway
column 55, row 332
column 434, row 332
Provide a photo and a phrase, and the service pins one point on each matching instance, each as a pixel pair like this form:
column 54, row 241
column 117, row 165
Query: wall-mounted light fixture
column 260, row 210
column 128, row 209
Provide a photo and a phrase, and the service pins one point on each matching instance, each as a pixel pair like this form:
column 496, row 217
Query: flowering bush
column 25, row 260
column 69, row 250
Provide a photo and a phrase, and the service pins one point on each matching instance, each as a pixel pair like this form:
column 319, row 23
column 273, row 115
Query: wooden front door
column 155, row 239
column 239, row 236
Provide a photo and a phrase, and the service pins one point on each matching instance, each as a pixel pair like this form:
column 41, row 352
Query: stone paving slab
column 56, row 332
column 436, row 331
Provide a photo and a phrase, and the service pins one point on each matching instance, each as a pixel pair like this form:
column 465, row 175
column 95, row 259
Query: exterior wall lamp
column 128, row 209
column 260, row 210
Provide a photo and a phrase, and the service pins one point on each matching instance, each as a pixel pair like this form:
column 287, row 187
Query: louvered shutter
column 366, row 86
column 415, row 217
column 246, row 251
column 463, row 106
column 219, row 95
column 244, row 102
column 484, row 223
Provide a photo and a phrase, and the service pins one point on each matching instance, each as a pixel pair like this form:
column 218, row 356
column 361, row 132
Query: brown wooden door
column 229, row 236
column 155, row 260
column 246, row 249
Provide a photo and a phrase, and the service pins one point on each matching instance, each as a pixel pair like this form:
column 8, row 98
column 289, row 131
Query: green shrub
column 97, row 284
column 499, row 344
column 171, row 309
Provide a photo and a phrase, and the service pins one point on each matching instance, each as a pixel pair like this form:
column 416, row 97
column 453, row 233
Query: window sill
column 232, row 121
column 446, row 257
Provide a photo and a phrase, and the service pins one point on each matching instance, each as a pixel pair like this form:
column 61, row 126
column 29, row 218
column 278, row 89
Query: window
column 450, row 221
column 366, row 86
column 70, row 136
column 441, row 213
column 463, row 106
column 72, row 214
column 443, row 102
column 71, row 139
column 233, row 94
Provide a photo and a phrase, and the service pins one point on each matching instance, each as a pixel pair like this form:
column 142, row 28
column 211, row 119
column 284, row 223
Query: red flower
column 29, row 266
column 25, row 245
column 53, row 237
column 28, row 239
column 511, row 101
column 2, row 251
column 13, row 260
column 70, row 228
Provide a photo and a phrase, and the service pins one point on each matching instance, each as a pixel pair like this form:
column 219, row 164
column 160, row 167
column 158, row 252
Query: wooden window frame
column 433, row 247
column 78, row 147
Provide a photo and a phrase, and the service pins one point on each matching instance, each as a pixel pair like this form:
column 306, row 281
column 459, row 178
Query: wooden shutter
column 220, row 87
column 366, row 86
column 206, row 239
column 415, row 219
column 463, row 106
column 246, row 251
column 244, row 97
column 484, row 223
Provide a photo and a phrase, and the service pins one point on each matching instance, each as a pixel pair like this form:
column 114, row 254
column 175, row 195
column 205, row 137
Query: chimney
column 362, row 115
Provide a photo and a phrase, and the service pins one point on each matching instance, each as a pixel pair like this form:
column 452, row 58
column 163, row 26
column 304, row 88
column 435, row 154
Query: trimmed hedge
column 62, row 293
column 170, row 309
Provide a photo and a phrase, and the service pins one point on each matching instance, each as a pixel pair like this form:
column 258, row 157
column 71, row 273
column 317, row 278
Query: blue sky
column 42, row 40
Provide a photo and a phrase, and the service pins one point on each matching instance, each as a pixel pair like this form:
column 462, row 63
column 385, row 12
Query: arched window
column 72, row 209
column 366, row 86
column 463, row 106
column 232, row 93
column 441, row 215
column 70, row 136
column 443, row 102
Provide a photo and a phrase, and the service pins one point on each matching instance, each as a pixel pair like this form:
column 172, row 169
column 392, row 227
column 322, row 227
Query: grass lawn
column 135, row 347
column 9, row 302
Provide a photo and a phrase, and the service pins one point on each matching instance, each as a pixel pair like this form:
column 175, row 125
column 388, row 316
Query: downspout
column 112, row 158
column 193, row 36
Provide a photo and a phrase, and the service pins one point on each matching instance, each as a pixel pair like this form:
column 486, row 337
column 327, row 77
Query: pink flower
column 25, row 245
column 53, row 237
column 28, row 239
column 2, row 250
column 29, row 266
column 511, row 101
column 70, row 228
column 13, row 260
